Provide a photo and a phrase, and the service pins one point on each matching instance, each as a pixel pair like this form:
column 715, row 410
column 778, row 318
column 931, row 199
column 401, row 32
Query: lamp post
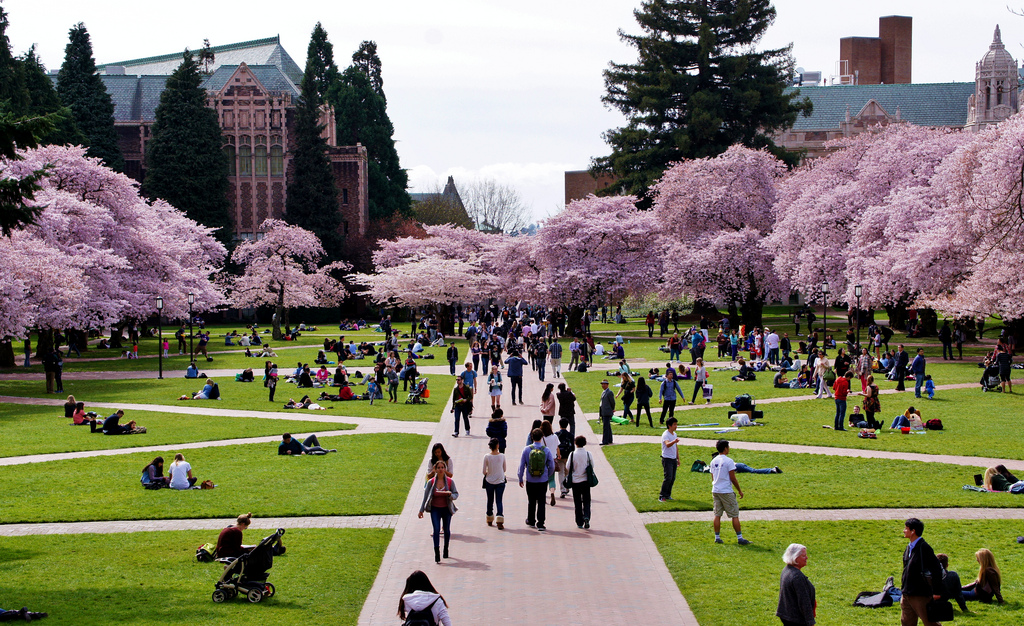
column 191, row 352
column 858, row 290
column 824, row 310
column 160, row 334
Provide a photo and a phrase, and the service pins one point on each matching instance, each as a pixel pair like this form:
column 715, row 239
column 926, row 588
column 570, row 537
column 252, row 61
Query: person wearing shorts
column 723, row 479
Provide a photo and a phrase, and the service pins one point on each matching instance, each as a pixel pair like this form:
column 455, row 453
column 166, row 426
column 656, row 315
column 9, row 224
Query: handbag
column 939, row 611
column 567, row 479
column 591, row 476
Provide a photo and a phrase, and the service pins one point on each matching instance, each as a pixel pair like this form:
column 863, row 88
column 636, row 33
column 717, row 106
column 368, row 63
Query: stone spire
column 996, row 86
column 997, row 39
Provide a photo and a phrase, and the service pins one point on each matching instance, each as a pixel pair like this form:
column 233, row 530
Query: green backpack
column 538, row 461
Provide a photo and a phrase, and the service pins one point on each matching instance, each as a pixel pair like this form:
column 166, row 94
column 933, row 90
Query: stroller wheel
column 254, row 595
column 219, row 596
column 232, row 594
column 270, row 591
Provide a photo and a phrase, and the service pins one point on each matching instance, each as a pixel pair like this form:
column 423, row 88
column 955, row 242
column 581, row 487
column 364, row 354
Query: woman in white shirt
column 494, row 483
column 700, row 377
column 180, row 473
column 821, row 366
column 551, row 443
column 576, row 466
column 420, row 596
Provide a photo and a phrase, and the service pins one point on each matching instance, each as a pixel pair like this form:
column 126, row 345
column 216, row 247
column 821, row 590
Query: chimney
column 895, row 31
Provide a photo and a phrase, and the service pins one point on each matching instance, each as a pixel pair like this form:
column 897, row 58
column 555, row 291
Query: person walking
column 462, row 404
column 917, row 368
column 643, row 400
column 420, row 602
column 667, row 395
column 579, row 461
column 515, row 364
column 700, row 378
column 555, row 354
column 669, row 459
column 607, row 410
column 494, row 483
column 841, row 389
column 723, row 479
column 453, row 357
column 540, row 357
column 567, row 406
column 821, row 368
column 922, row 576
column 541, row 465
column 574, row 352
column 439, row 496
column 494, row 387
column 797, row 604
column 650, row 323
column 864, row 363
column 628, row 392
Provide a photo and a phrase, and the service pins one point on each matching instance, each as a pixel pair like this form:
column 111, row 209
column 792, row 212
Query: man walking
column 667, row 395
column 540, row 357
column 607, row 411
column 574, row 350
column 453, row 357
column 841, row 389
column 946, row 337
column 922, row 576
column 541, row 465
column 462, row 404
column 917, row 369
column 902, row 359
column 771, row 344
column 723, row 479
column 515, row 375
column 669, row 459
column 555, row 350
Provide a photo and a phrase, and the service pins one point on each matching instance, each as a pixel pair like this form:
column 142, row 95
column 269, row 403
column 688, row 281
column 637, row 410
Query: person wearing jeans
column 743, row 468
column 311, row 445
column 579, row 460
column 667, row 395
column 669, row 459
column 462, row 404
column 439, row 495
column 494, row 482
column 515, row 375
column 536, row 485
column 917, row 369
column 841, row 389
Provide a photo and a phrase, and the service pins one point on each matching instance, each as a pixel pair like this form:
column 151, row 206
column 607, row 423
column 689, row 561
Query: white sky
column 506, row 90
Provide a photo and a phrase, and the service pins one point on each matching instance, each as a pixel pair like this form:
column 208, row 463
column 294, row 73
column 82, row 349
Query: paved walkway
column 520, row 575
column 807, row 515
column 136, row 526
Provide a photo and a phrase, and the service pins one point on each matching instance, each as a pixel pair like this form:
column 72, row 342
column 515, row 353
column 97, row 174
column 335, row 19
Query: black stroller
column 418, row 393
column 248, row 573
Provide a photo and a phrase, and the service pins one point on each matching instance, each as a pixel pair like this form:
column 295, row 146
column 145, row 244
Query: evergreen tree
column 43, row 100
column 698, row 87
column 81, row 90
column 13, row 92
column 312, row 196
column 184, row 161
column 361, row 113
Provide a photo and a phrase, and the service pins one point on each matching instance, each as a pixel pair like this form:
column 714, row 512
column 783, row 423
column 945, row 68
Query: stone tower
column 996, row 84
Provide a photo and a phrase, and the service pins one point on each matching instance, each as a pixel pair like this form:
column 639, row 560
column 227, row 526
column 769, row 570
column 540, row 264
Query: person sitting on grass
column 292, row 447
column 268, row 352
column 181, row 473
column 780, row 381
column 322, row 375
column 803, row 379
column 1006, row 474
column 81, row 418
column 911, row 418
column 857, row 420
column 210, row 391
column 153, row 474
column 989, row 582
column 112, row 425
column 192, row 371
column 745, row 372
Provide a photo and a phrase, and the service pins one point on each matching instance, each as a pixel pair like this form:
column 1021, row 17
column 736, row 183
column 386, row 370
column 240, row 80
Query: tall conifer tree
column 312, row 196
column 81, row 90
column 13, row 92
column 361, row 112
column 185, row 164
column 43, row 100
column 698, row 87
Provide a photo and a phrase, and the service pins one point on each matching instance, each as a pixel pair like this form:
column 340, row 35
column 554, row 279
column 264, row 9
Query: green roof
column 922, row 104
column 177, row 55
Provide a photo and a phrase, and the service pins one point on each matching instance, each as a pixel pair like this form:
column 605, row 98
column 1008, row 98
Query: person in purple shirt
column 536, row 484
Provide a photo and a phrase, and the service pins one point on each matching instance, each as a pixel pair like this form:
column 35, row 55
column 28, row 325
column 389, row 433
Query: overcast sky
column 499, row 89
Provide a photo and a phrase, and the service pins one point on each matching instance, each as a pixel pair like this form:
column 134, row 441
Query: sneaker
column 564, row 493
column 660, row 499
column 776, row 470
column 580, row 526
column 455, row 434
column 718, row 540
column 541, row 528
column 743, row 542
column 531, row 524
column 586, row 523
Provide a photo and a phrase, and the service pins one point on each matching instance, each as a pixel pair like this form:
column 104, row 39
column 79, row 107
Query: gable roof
column 922, row 104
column 266, row 51
column 270, row 76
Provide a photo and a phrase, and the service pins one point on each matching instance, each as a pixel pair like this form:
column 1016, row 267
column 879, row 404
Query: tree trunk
column 279, row 312
column 753, row 313
column 81, row 339
column 897, row 316
column 706, row 308
column 117, row 336
column 734, row 316
column 445, row 320
column 45, row 343
column 928, row 322
column 7, row 352
column 574, row 321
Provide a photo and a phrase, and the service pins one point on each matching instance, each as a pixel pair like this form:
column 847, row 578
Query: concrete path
column 520, row 575
column 808, row 515
column 136, row 526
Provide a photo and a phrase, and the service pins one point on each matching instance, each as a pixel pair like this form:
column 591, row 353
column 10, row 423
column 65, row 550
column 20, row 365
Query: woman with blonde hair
column 180, row 473
column 994, row 481
column 989, row 581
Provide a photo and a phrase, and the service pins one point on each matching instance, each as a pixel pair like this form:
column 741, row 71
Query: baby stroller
column 417, row 395
column 990, row 379
column 248, row 573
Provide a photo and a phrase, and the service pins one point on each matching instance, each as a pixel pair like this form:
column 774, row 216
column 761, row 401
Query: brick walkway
column 136, row 526
column 489, row 575
column 806, row 515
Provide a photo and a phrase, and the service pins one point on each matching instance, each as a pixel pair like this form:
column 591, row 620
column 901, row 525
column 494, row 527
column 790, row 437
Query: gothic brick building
column 253, row 86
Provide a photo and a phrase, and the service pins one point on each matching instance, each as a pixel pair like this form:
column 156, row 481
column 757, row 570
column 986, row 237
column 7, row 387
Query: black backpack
column 565, row 443
column 876, row 599
column 423, row 617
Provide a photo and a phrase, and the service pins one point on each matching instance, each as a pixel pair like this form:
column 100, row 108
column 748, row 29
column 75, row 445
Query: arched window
column 229, row 152
column 245, row 161
column 276, row 161
column 261, row 160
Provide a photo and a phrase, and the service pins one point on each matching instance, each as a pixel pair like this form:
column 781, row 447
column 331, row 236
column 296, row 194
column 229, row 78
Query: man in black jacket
column 902, row 360
column 453, row 357
column 922, row 576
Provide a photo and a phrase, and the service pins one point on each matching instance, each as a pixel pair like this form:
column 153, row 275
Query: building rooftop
column 922, row 104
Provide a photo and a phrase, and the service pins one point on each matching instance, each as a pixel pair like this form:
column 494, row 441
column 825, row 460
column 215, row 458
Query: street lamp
column 824, row 311
column 160, row 333
column 858, row 290
column 191, row 352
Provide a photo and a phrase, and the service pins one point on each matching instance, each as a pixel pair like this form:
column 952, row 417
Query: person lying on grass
column 112, row 425
column 210, row 391
column 743, row 468
column 292, row 447
column 345, row 393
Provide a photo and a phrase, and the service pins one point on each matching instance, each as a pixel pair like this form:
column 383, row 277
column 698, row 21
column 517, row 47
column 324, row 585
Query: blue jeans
column 840, row 414
column 451, row 365
column 773, row 356
column 540, row 369
column 918, row 383
column 494, row 493
column 743, row 468
column 900, row 421
column 673, row 354
column 437, row 516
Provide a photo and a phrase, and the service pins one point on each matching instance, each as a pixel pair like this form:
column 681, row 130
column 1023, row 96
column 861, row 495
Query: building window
column 229, row 152
column 345, row 225
column 344, row 196
column 229, row 119
column 245, row 161
column 261, row 140
column 261, row 159
column 276, row 161
column 245, row 140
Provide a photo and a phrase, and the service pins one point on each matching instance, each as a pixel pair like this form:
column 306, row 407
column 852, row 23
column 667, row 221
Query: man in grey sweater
column 607, row 410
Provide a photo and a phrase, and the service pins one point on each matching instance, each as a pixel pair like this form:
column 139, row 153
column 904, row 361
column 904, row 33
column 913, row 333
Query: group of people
column 110, row 425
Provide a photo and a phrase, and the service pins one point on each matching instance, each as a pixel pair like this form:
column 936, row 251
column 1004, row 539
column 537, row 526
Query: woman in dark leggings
column 643, row 400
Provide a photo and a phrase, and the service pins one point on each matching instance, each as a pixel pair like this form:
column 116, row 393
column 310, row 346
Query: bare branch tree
column 495, row 207
column 441, row 208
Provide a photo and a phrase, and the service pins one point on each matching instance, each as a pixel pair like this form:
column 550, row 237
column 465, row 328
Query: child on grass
column 929, row 386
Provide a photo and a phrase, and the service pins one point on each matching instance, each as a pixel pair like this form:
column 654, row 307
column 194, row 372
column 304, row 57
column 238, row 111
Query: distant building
column 444, row 207
column 581, row 183
column 253, row 86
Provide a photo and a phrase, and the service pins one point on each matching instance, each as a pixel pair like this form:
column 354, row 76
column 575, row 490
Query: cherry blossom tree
column 282, row 270
column 713, row 215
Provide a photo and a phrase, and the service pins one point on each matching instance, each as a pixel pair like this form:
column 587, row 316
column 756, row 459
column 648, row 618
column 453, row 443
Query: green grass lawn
column 249, row 477
column 153, row 577
column 45, row 430
column 239, row 396
column 808, row 481
column 729, row 584
column 974, row 424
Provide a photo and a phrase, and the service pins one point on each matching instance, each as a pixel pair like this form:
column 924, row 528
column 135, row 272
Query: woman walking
column 439, row 496
column 628, row 392
column 700, row 378
column 494, row 385
column 494, row 483
column 438, row 453
column 864, row 368
column 474, row 350
column 821, row 367
column 643, row 400
column 420, row 599
column 547, row 403
column 551, row 443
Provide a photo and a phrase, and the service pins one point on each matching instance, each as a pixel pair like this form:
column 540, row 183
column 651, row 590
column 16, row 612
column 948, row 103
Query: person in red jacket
column 841, row 389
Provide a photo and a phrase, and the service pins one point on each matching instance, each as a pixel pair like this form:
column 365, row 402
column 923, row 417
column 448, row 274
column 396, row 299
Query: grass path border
column 826, row 515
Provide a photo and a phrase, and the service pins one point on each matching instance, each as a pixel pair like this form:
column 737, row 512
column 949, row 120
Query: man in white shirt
column 669, row 458
column 723, row 478
column 771, row 342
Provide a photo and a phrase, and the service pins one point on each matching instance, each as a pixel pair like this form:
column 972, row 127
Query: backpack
column 565, row 443
column 699, row 466
column 204, row 554
column 582, row 367
column 829, row 376
column 538, row 461
column 876, row 600
column 423, row 617
column 933, row 424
